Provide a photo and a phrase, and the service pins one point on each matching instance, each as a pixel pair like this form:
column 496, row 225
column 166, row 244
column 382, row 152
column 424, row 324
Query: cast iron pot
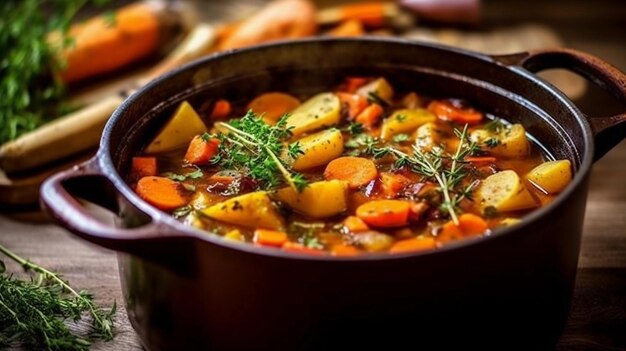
column 186, row 289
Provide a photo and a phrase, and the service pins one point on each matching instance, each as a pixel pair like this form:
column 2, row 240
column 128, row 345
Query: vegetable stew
column 362, row 168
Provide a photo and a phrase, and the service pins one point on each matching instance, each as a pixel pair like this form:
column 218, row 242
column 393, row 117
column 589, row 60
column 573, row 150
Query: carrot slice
column 385, row 213
column 270, row 237
column 273, row 105
column 162, row 193
column 144, row 166
column 370, row 115
column 201, row 150
column 413, row 245
column 392, row 184
column 299, row 248
column 221, row 110
column 482, row 160
column 355, row 224
column 344, row 250
column 357, row 171
column 447, row 112
column 355, row 103
column 350, row 28
column 472, row 224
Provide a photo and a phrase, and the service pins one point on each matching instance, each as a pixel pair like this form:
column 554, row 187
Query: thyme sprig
column 448, row 170
column 33, row 313
column 253, row 146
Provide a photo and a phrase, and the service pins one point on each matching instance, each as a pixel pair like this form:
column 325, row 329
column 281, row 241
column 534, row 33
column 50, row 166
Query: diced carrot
column 392, row 184
column 355, row 103
column 350, row 28
column 480, row 160
column 449, row 231
column 273, row 105
column 201, row 150
column 299, row 248
column 472, row 224
column 357, row 171
column 371, row 13
column 355, row 224
column 413, row 245
column 270, row 237
column 221, row 110
column 162, row 193
column 344, row 250
column 385, row 213
column 447, row 112
column 469, row 225
column 353, row 83
column 370, row 115
column 220, row 179
column 144, row 166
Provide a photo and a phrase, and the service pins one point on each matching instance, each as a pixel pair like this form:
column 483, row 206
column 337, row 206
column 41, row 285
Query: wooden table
column 598, row 315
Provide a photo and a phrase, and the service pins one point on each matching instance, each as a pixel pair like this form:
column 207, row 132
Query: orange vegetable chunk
column 163, row 193
column 201, row 151
column 385, row 213
column 413, row 245
column 370, row 115
column 270, row 237
column 273, row 105
column 144, row 166
column 356, row 171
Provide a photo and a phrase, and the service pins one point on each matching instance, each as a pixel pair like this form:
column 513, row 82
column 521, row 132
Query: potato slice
column 181, row 128
column 552, row 176
column 405, row 121
column 317, row 112
column 428, row 136
column 380, row 87
column 511, row 141
column 317, row 200
column 505, row 192
column 319, row 149
column 254, row 210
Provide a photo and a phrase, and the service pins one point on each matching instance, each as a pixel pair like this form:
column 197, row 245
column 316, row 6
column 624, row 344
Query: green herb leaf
column 400, row 138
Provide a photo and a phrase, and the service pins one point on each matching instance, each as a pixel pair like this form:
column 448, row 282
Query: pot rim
column 105, row 162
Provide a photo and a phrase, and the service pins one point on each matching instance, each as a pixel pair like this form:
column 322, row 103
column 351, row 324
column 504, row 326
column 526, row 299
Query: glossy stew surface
column 359, row 168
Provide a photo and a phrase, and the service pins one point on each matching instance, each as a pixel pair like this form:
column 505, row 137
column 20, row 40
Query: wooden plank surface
column 598, row 316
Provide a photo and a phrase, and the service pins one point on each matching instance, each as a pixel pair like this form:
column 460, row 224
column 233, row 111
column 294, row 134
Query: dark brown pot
column 186, row 289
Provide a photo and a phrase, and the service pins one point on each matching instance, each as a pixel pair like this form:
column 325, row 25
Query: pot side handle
column 608, row 131
column 59, row 198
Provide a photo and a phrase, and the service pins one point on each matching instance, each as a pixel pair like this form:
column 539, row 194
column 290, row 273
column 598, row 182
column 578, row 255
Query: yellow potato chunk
column 380, row 87
column 507, row 222
column 505, row 192
column 511, row 141
column 318, row 200
column 319, row 149
column 254, row 210
column 427, row 136
column 178, row 132
column 405, row 121
column 319, row 111
column 552, row 176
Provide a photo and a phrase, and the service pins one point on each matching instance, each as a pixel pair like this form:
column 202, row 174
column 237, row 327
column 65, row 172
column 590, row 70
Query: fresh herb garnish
column 252, row 146
column 401, row 138
column 182, row 211
column 447, row 170
column 31, row 94
column 374, row 98
column 492, row 142
column 495, row 126
column 400, row 118
column 196, row 174
column 33, row 313
column 306, row 233
column 354, row 128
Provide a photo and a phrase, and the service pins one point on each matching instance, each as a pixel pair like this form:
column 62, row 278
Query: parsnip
column 427, row 136
column 405, row 121
column 505, row 192
column 319, row 111
column 380, row 87
column 179, row 130
column 552, row 176
column 254, row 210
column 319, row 149
column 318, row 200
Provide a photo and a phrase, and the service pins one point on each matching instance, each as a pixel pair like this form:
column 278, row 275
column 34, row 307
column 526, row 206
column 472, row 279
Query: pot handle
column 59, row 198
column 608, row 131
